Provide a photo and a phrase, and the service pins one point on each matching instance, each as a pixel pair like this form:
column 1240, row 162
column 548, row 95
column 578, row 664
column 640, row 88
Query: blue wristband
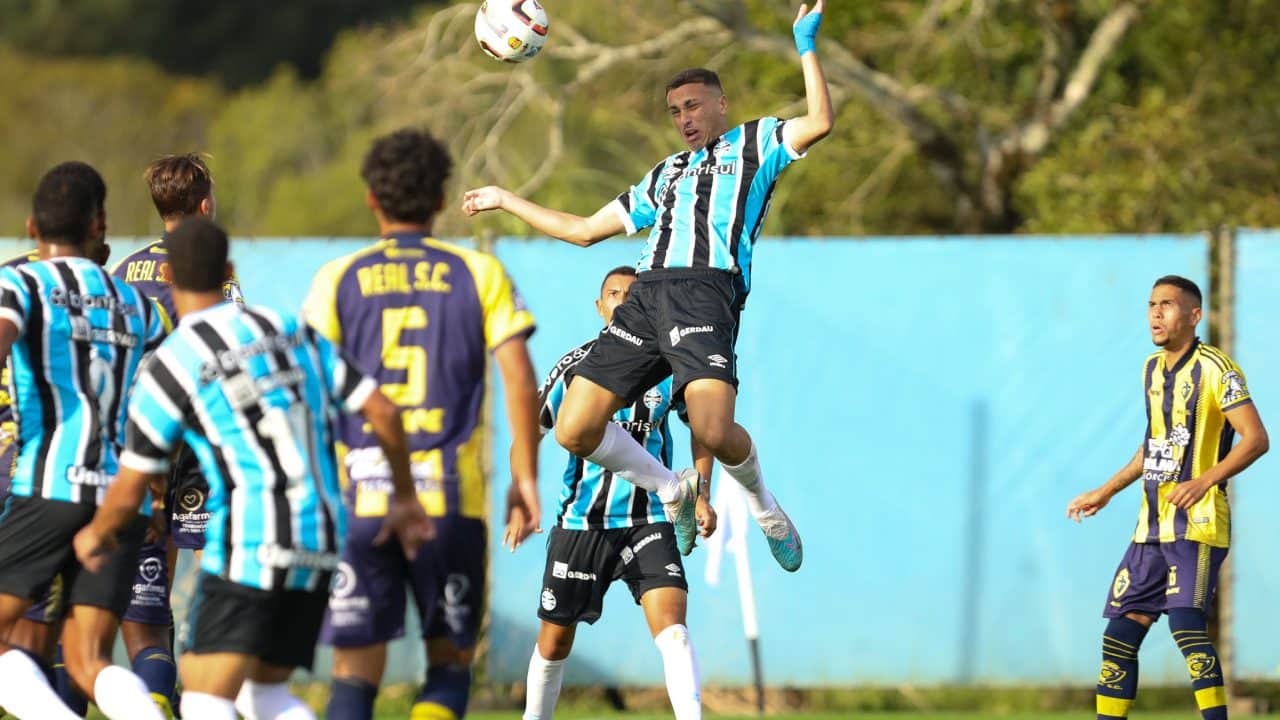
column 805, row 31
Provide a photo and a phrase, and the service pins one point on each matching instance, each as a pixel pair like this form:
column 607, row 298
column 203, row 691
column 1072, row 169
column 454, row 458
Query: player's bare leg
column 87, row 640
column 711, row 405
column 448, row 688
column 149, row 654
column 24, row 689
column 583, row 428
column 211, row 682
column 664, row 610
column 264, row 695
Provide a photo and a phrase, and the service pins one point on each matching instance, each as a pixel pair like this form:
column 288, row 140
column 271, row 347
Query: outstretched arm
column 568, row 227
column 1088, row 504
column 802, row 132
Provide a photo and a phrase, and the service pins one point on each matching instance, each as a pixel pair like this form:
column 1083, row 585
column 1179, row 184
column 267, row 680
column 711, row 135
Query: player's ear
column 31, row 228
column 600, row 309
column 724, row 104
column 206, row 207
column 1196, row 315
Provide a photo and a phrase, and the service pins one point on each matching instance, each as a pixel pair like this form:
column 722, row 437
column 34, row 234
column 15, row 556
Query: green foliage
column 1178, row 133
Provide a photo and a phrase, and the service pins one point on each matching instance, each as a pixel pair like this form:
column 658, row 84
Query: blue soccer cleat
column 784, row 541
column 682, row 512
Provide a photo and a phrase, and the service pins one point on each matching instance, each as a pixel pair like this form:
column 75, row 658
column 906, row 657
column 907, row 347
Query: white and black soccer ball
column 511, row 30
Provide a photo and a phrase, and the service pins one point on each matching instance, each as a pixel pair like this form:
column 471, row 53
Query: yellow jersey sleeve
column 1231, row 390
column 166, row 322
column 505, row 314
column 320, row 308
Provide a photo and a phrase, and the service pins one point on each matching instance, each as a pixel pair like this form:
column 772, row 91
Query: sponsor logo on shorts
column 1200, row 665
column 718, row 361
column 1111, row 673
column 559, row 569
column 344, row 581
column 627, row 555
column 625, row 336
column 1121, row 584
column 150, row 569
column 548, row 600
column 673, row 570
column 457, row 589
column 191, row 500
column 651, row 537
column 678, row 333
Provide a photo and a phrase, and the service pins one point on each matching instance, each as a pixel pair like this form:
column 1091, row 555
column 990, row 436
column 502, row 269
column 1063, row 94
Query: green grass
column 833, row 716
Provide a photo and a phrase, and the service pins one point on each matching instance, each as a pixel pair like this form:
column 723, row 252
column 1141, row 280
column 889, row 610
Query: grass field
column 834, row 716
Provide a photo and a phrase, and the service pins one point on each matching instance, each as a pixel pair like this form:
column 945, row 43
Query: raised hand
column 482, row 199
column 805, row 28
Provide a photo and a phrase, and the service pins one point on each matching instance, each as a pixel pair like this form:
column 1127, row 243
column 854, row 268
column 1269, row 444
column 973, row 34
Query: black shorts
column 582, row 564
column 36, row 538
column 279, row 627
column 187, row 496
column 681, row 322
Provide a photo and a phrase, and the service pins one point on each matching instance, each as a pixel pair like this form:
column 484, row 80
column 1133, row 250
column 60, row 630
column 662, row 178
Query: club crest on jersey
column 1186, row 389
column 1121, row 584
column 653, row 398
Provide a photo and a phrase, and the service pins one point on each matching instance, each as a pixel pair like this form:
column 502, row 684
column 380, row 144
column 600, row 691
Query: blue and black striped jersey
column 706, row 207
column 254, row 395
column 592, row 498
column 81, row 338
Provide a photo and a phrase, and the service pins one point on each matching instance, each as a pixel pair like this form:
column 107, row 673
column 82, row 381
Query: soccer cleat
column 682, row 512
column 784, row 541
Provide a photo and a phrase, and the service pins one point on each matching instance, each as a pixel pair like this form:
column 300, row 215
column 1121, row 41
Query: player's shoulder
column 21, row 259
column 151, row 251
column 477, row 260
column 341, row 265
column 1213, row 359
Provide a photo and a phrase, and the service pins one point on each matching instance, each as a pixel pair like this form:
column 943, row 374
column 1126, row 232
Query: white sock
column 121, row 695
column 202, row 706
column 270, row 701
column 543, row 686
column 621, row 454
column 25, row 692
column 680, row 666
column 750, row 477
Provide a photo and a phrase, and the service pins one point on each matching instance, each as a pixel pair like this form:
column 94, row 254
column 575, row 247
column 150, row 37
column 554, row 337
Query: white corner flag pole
column 731, row 536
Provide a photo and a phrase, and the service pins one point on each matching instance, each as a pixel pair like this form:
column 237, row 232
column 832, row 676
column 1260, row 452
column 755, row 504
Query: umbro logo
column 673, row 570
column 718, row 361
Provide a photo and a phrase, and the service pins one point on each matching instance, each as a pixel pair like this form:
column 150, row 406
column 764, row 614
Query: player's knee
column 577, row 437
column 1142, row 619
column 555, row 647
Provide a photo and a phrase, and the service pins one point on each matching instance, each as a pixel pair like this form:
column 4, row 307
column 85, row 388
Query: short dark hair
column 178, row 184
column 626, row 270
column 197, row 250
column 64, row 206
column 1182, row 284
column 86, row 172
column 695, row 75
column 406, row 172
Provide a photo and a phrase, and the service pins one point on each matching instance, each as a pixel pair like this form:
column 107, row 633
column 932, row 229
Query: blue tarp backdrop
column 925, row 409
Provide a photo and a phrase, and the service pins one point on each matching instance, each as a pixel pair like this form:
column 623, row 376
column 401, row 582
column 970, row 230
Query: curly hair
column 406, row 172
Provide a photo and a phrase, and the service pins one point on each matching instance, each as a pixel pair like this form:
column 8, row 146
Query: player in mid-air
column 705, row 207
column 1197, row 402
column 609, row 530
column 75, row 338
column 255, row 395
column 422, row 316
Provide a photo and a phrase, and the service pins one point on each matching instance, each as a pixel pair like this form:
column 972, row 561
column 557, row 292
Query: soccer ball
column 511, row 30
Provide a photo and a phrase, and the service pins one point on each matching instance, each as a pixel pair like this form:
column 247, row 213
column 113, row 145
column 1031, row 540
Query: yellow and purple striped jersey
column 419, row 316
column 1187, row 433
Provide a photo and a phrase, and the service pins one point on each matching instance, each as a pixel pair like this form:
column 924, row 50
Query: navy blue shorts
column 148, row 597
column 1155, row 577
column 367, row 605
column 188, row 493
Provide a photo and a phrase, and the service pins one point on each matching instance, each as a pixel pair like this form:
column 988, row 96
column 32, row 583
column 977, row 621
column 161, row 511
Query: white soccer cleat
column 683, row 512
column 784, row 541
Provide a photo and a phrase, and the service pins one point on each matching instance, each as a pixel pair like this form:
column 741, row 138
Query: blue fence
column 924, row 408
